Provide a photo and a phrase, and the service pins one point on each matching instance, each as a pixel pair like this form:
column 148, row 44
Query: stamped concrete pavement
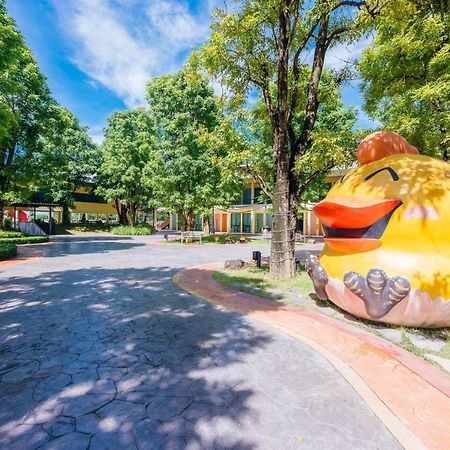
column 100, row 350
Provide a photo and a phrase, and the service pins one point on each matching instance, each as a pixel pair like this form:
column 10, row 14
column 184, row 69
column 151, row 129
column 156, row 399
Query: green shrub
column 24, row 240
column 7, row 223
column 7, row 251
column 11, row 234
column 138, row 230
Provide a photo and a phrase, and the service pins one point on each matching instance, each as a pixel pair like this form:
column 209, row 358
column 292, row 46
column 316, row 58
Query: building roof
column 35, row 205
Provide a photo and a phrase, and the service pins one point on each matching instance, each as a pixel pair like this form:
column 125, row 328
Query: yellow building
column 250, row 214
column 86, row 207
column 92, row 206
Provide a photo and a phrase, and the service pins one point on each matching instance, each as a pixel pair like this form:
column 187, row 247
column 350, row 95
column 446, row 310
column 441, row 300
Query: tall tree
column 191, row 177
column 127, row 152
column 267, row 41
column 24, row 103
column 406, row 73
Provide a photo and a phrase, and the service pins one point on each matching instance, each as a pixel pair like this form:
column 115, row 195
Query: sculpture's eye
column 392, row 172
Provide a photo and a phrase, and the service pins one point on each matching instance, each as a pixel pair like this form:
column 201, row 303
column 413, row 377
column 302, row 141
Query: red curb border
column 425, row 370
column 24, row 255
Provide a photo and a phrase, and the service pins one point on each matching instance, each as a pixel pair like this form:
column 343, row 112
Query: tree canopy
column 333, row 141
column 42, row 145
column 67, row 158
column 128, row 158
column 267, row 43
column 406, row 73
column 191, row 176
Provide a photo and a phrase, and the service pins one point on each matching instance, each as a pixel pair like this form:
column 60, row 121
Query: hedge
column 11, row 234
column 7, row 251
column 138, row 230
column 24, row 240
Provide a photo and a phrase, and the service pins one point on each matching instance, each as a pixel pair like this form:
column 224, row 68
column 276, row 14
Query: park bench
column 188, row 236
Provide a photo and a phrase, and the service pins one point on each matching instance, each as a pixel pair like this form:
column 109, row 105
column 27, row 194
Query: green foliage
column 42, row 146
column 191, row 169
column 406, row 73
column 68, row 157
column 11, row 234
column 128, row 155
column 6, row 223
column 24, row 240
column 216, row 239
column 137, row 230
column 332, row 144
column 267, row 45
column 24, row 102
column 7, row 251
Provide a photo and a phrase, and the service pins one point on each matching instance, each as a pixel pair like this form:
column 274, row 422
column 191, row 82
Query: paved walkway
column 410, row 396
column 100, row 350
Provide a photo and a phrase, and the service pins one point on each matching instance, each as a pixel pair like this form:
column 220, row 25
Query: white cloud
column 338, row 56
column 173, row 22
column 123, row 44
column 96, row 133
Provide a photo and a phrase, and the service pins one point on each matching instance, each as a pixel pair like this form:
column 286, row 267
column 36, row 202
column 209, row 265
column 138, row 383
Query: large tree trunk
column 65, row 214
column 190, row 220
column 206, row 228
column 123, row 215
column 282, row 251
column 131, row 214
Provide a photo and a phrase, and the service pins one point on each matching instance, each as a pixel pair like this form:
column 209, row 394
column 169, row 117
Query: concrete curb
column 409, row 395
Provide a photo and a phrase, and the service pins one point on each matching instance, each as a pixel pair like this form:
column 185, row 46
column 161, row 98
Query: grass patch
column 138, row 230
column 7, row 251
column 258, row 282
column 223, row 239
column 121, row 230
column 80, row 228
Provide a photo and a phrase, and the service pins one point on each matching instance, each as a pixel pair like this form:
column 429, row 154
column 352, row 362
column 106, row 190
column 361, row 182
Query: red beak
column 348, row 221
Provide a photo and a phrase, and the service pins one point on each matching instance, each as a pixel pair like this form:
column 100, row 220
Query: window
column 246, row 223
column 236, row 222
column 247, row 197
column 257, row 196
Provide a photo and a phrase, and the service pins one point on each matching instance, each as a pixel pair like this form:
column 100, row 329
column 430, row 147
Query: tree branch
column 262, row 183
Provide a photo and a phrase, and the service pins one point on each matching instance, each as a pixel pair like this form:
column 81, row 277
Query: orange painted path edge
column 24, row 254
column 409, row 395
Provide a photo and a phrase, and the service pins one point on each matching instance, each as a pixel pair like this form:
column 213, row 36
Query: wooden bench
column 186, row 236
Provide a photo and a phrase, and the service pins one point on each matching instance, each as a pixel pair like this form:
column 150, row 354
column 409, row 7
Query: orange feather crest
column 380, row 144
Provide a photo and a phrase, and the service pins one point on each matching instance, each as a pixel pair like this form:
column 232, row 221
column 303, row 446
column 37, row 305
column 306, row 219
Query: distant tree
column 406, row 73
column 268, row 41
column 127, row 153
column 192, row 176
column 68, row 158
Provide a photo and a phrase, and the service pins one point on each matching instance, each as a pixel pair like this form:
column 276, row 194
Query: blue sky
column 98, row 54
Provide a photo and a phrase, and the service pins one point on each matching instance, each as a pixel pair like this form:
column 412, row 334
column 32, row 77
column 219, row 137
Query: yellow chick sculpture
column 387, row 236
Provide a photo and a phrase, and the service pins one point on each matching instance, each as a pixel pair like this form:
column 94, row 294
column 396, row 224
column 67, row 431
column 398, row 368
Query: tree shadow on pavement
column 99, row 358
column 87, row 245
